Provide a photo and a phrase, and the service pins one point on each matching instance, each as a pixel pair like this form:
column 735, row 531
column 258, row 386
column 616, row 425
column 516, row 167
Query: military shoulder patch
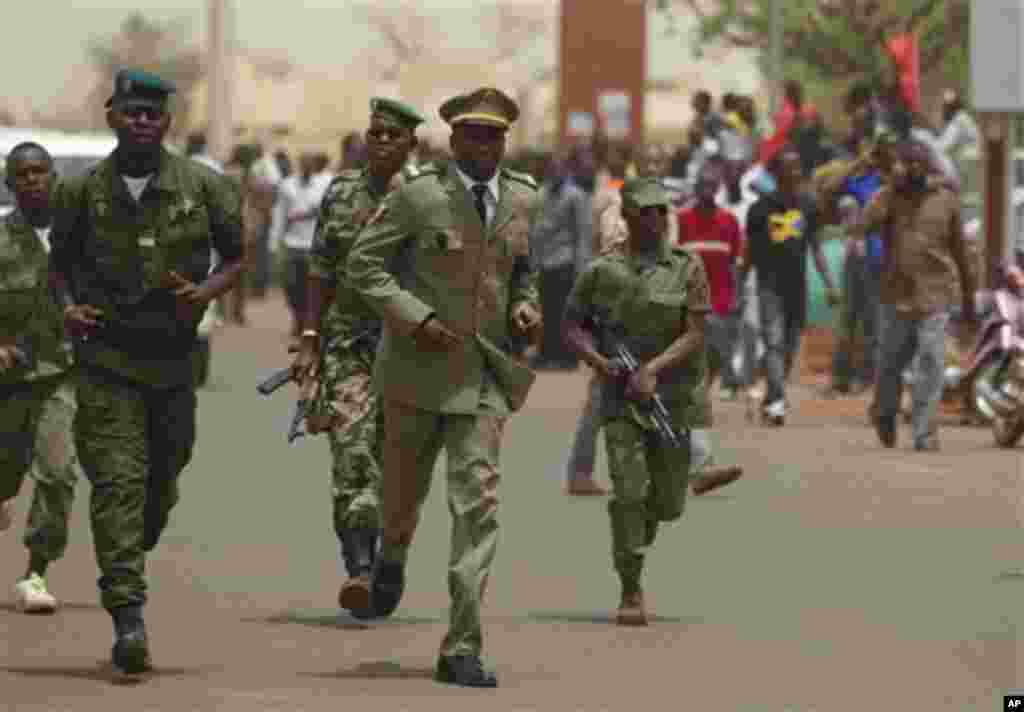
column 520, row 177
column 348, row 175
column 412, row 171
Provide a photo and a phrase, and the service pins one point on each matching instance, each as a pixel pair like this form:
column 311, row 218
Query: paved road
column 836, row 576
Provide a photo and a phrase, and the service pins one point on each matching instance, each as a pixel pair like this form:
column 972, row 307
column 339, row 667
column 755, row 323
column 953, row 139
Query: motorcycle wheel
column 1007, row 431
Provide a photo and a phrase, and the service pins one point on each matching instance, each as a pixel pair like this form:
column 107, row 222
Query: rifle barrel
column 275, row 381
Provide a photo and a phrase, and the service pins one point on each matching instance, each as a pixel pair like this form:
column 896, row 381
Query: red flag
column 902, row 49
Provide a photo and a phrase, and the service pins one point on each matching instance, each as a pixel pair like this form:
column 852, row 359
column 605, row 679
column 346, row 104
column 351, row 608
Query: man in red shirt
column 714, row 234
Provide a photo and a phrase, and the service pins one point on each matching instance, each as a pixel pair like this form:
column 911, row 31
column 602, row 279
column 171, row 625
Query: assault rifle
column 624, row 364
column 309, row 384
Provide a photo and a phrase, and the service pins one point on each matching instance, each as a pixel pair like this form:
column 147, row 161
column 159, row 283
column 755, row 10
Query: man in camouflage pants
column 347, row 410
column 132, row 242
column 24, row 244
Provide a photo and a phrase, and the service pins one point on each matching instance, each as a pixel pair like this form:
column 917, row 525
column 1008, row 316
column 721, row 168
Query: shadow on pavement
column 602, row 617
column 379, row 670
column 13, row 608
column 1011, row 575
column 338, row 620
column 103, row 672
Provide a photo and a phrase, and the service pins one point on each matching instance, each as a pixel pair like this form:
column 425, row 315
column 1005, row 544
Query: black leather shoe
column 464, row 670
column 885, row 428
column 130, row 655
column 386, row 587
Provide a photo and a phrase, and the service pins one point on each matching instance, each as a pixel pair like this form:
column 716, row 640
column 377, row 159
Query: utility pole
column 220, row 98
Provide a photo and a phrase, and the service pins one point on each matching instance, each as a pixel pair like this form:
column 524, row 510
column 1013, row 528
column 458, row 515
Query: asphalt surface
column 834, row 576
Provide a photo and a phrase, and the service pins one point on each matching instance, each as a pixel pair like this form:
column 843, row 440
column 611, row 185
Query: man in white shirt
column 301, row 195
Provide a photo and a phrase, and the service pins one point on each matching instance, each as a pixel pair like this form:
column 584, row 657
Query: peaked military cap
column 643, row 193
column 395, row 111
column 134, row 87
column 486, row 106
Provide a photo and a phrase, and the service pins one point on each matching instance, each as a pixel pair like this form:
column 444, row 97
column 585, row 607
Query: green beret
column 395, row 111
column 486, row 106
column 643, row 193
column 134, row 87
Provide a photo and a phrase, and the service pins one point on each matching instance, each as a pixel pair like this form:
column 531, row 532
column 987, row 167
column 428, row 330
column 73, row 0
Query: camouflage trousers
column 21, row 408
column 133, row 441
column 472, row 442
column 55, row 473
column 355, row 439
column 649, row 484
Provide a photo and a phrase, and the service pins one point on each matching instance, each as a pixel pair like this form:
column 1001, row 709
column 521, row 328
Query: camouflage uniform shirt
column 29, row 315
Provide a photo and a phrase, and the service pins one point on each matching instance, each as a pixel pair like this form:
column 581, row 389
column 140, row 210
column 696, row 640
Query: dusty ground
column 836, row 576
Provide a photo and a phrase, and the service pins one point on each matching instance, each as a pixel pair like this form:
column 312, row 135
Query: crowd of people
column 427, row 287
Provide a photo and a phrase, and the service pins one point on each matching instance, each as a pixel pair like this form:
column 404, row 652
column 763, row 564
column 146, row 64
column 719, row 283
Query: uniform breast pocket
column 443, row 252
column 185, row 245
column 663, row 312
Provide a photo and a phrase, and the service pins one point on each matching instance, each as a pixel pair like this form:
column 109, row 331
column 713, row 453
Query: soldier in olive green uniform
column 654, row 297
column 347, row 409
column 55, row 467
column 447, row 370
column 132, row 245
column 36, row 396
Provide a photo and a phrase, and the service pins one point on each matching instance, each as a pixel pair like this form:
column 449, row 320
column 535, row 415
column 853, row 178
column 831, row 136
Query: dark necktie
column 480, row 190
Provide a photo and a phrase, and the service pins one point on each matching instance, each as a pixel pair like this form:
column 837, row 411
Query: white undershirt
column 136, row 185
column 44, row 237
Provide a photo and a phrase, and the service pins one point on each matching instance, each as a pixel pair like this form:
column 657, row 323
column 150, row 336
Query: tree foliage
column 411, row 35
column 825, row 41
column 158, row 47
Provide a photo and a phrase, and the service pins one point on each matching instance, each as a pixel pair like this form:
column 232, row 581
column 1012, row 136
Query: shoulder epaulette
column 414, row 171
column 520, row 177
column 684, row 251
column 348, row 175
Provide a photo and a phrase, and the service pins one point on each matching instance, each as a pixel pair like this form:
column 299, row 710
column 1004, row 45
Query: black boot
column 387, row 586
column 359, row 551
column 464, row 670
column 130, row 655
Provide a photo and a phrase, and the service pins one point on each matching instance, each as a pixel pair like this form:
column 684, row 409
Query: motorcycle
column 995, row 378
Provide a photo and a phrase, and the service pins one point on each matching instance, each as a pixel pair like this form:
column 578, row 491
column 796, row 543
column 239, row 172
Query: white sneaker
column 32, row 597
column 776, row 409
column 5, row 516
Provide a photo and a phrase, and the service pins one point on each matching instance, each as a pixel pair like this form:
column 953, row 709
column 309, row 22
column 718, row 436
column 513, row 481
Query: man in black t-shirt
column 781, row 228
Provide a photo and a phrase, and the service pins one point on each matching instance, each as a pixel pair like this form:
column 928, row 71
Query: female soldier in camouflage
column 653, row 298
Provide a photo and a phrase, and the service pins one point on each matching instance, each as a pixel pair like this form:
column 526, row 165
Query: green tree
column 830, row 42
